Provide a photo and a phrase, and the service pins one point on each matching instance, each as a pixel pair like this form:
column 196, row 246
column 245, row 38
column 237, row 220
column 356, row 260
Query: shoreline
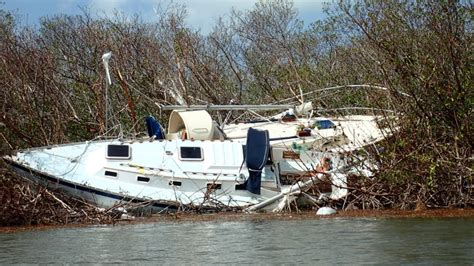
column 260, row 217
column 305, row 215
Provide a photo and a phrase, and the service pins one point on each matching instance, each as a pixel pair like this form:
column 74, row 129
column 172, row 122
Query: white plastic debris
column 325, row 211
column 127, row 217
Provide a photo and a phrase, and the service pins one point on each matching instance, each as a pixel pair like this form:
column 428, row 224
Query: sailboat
column 196, row 162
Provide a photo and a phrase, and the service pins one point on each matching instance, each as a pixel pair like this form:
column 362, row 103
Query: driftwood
column 25, row 203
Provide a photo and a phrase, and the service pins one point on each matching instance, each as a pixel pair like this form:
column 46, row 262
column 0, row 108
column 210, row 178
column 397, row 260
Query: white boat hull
column 154, row 173
column 99, row 198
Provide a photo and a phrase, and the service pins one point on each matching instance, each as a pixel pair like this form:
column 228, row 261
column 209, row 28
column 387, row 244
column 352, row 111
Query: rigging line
column 132, row 128
column 233, row 121
column 353, row 108
column 105, row 134
column 344, row 86
column 74, row 159
column 335, row 88
column 143, row 94
column 258, row 115
column 115, row 119
column 229, row 114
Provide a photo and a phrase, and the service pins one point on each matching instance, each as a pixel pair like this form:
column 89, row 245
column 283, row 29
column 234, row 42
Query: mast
column 108, row 82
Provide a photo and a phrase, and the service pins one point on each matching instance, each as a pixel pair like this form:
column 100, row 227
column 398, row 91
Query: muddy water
column 317, row 241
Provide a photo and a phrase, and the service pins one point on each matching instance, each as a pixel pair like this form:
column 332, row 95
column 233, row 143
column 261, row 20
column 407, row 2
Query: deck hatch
column 190, row 154
column 118, row 152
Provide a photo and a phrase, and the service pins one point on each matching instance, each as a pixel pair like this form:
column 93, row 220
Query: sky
column 201, row 13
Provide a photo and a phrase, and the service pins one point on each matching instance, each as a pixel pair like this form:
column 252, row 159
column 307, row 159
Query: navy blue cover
column 153, row 127
column 258, row 147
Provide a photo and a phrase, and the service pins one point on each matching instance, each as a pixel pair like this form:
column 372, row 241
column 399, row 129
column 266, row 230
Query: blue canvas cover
column 153, row 127
column 324, row 124
column 258, row 147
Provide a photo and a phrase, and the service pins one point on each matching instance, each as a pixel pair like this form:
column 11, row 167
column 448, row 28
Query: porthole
column 175, row 183
column 143, row 179
column 111, row 173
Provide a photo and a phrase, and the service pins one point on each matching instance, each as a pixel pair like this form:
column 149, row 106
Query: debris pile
column 23, row 203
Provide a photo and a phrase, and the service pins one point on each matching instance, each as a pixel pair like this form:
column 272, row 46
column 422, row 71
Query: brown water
column 322, row 241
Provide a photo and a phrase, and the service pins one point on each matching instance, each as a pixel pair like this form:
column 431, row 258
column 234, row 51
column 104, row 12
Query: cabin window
column 175, row 183
column 118, row 152
column 111, row 173
column 191, row 154
column 143, row 179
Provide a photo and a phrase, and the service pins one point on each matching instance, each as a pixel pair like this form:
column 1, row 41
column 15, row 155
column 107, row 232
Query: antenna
column 105, row 59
